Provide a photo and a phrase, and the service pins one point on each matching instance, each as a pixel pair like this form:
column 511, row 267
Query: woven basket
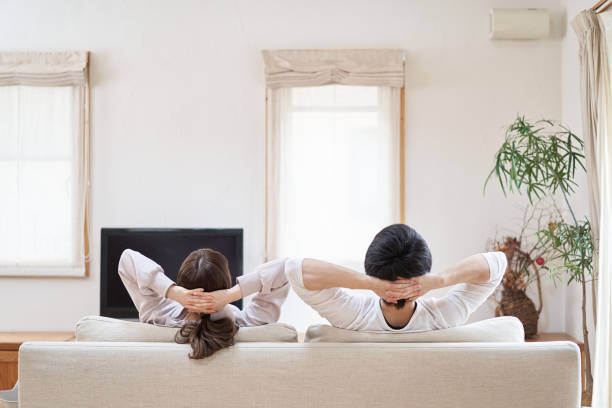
column 516, row 303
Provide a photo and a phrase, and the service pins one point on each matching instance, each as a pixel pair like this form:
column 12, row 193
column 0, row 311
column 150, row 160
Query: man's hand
column 393, row 291
column 425, row 283
column 195, row 300
column 319, row 275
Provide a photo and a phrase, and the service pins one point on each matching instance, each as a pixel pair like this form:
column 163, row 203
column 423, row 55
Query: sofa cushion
column 98, row 328
column 505, row 329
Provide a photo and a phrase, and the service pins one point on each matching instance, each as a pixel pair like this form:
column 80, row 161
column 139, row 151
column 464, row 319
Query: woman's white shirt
column 147, row 285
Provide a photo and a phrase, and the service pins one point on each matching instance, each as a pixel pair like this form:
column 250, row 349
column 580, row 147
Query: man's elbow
column 501, row 270
column 309, row 276
column 294, row 271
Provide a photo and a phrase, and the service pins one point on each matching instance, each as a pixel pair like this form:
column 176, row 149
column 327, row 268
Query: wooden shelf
column 9, row 351
column 555, row 337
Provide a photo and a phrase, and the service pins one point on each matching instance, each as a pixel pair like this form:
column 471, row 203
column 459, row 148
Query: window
column 43, row 179
column 334, row 150
column 337, row 171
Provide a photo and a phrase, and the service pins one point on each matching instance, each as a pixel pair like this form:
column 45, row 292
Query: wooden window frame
column 402, row 164
column 87, row 171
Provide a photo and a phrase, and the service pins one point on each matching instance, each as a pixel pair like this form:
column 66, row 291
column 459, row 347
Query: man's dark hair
column 397, row 251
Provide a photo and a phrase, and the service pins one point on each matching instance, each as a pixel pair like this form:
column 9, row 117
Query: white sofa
column 286, row 374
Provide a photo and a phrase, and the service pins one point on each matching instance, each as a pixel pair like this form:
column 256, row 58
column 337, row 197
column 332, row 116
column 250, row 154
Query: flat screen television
column 167, row 247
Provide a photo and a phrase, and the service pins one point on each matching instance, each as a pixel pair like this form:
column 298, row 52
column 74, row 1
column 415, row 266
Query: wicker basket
column 516, row 303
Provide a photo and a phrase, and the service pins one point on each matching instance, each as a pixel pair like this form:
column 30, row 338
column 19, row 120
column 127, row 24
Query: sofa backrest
column 505, row 329
column 291, row 375
column 98, row 328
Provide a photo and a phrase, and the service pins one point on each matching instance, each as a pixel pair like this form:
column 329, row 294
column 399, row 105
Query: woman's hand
column 221, row 298
column 391, row 292
column 194, row 300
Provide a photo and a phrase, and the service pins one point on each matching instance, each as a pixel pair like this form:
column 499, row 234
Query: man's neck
column 397, row 317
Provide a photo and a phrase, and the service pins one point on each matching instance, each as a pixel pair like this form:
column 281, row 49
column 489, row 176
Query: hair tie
column 205, row 316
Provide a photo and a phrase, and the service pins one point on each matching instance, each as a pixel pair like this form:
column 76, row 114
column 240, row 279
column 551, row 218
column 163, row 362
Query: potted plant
column 519, row 275
column 540, row 159
column 526, row 256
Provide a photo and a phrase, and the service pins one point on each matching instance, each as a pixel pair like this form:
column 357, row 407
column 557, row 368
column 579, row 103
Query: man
column 397, row 266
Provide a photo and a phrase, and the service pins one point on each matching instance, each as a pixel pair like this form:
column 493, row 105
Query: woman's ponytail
column 206, row 269
column 207, row 336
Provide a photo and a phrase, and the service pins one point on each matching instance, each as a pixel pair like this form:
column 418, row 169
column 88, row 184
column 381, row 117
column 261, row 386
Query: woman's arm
column 221, row 298
column 193, row 300
column 147, row 285
column 269, row 285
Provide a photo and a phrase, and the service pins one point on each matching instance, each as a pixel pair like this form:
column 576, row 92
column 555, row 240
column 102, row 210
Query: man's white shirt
column 362, row 312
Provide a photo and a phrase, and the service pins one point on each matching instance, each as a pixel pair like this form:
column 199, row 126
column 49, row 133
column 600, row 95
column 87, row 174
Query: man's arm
column 318, row 275
column 474, row 269
column 473, row 279
column 322, row 286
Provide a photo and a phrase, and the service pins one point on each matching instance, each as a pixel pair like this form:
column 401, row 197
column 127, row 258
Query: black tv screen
column 167, row 247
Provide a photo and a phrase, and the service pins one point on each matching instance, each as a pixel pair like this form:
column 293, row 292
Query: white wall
column 178, row 118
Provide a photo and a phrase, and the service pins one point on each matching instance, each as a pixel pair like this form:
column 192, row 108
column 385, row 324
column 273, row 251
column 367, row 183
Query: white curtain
column 334, row 176
column 44, row 167
column 593, row 65
column 602, row 381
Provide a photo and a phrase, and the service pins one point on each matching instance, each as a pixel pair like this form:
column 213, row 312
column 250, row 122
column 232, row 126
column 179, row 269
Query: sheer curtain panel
column 44, row 164
column 594, row 33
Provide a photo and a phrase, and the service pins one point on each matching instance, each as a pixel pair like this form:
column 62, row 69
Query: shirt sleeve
column 341, row 308
column 144, row 280
column 269, row 285
column 463, row 299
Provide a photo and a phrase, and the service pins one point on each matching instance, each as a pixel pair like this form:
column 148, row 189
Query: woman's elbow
column 126, row 263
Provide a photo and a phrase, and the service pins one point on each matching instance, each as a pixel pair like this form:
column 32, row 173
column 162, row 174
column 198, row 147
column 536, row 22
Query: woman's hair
column 206, row 269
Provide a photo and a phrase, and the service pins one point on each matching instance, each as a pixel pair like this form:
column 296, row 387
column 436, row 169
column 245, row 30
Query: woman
column 199, row 302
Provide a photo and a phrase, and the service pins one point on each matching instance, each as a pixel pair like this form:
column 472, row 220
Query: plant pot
column 516, row 303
